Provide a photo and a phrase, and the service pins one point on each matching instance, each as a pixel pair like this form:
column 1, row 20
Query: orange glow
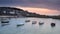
column 42, row 11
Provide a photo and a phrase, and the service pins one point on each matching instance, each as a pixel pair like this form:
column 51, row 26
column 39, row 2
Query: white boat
column 20, row 24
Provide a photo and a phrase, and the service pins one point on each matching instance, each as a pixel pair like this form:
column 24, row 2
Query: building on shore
column 10, row 12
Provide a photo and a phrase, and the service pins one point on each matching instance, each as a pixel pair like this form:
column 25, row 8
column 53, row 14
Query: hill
column 12, row 11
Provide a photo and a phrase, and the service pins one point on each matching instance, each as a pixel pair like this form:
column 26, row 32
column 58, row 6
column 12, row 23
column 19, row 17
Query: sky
column 47, row 7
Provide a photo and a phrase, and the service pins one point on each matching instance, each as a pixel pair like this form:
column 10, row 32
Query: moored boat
column 53, row 24
column 34, row 22
column 41, row 23
column 4, row 20
column 20, row 24
column 27, row 21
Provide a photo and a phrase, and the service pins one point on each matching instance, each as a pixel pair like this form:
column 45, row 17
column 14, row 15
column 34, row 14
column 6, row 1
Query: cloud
column 50, row 4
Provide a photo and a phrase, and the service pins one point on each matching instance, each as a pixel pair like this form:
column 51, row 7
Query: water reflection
column 4, row 24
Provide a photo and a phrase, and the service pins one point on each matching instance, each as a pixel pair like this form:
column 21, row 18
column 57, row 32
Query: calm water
column 29, row 28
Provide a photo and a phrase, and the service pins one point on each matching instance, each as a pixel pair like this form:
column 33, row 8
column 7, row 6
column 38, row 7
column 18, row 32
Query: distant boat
column 53, row 24
column 4, row 20
column 34, row 22
column 27, row 21
column 41, row 23
column 20, row 24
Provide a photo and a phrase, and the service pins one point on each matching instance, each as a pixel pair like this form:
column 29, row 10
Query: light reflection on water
column 29, row 28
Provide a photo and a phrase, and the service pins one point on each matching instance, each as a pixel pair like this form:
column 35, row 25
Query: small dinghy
column 27, row 21
column 4, row 20
column 4, row 23
column 41, row 23
column 34, row 22
column 20, row 24
column 53, row 24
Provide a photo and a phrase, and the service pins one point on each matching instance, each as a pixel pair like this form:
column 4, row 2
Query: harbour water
column 29, row 28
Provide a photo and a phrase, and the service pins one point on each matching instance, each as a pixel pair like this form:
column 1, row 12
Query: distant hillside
column 12, row 11
column 13, row 8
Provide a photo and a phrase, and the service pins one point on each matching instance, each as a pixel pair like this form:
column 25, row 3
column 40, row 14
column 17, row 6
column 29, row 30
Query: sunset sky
column 45, row 7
